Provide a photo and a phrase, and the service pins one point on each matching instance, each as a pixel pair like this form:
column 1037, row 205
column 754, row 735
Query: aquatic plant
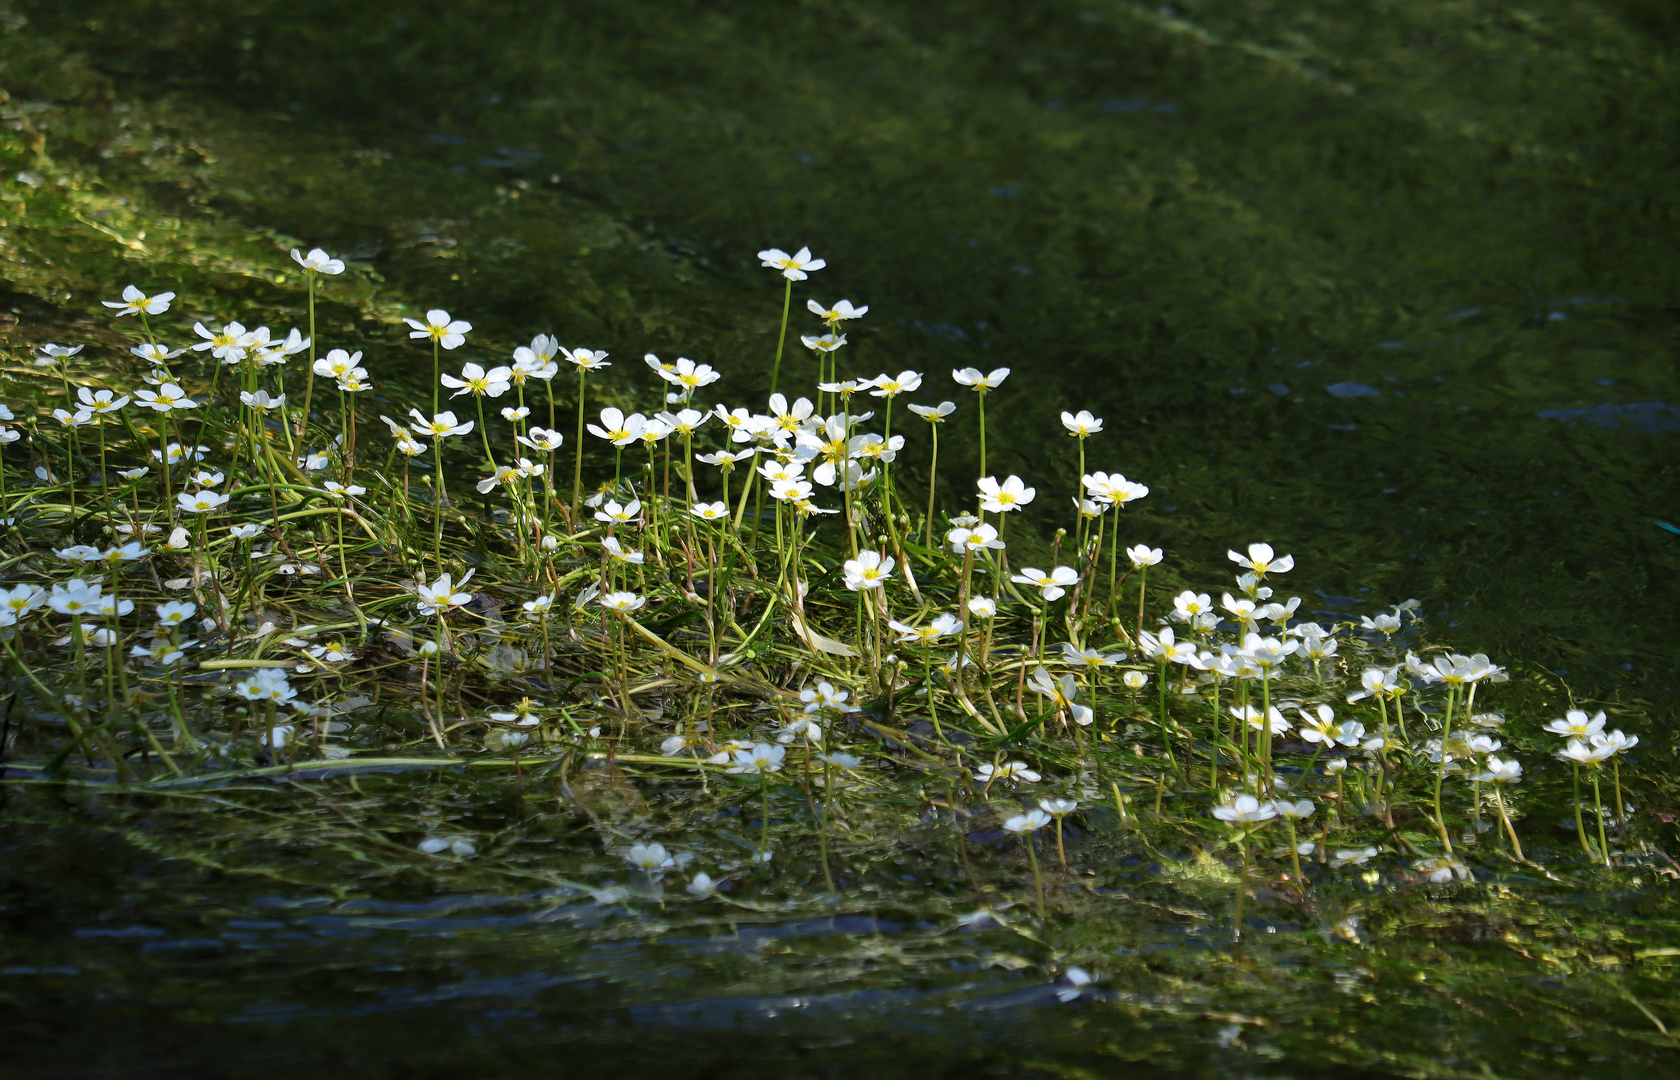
column 231, row 589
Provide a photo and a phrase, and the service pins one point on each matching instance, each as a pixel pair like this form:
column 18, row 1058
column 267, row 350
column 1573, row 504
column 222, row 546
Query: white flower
column 615, row 551
column 868, row 571
column 1061, row 691
column 537, row 360
column 1091, row 659
column 339, row 491
column 21, row 599
column 542, row 439
column 1031, row 821
column 618, row 429
column 267, row 684
column 759, row 758
column 1113, row 488
column 318, row 261
column 941, row 626
column 1295, row 811
column 1075, row 981
column 1386, row 624
column 622, row 602
column 337, row 364
column 775, row 470
column 135, row 302
column 1278, row 723
column 450, row 334
column 794, row 491
column 176, row 612
column 613, row 512
column 442, row 597
column 1188, row 604
column 1267, row 653
column 331, row 652
column 827, row 343
column 261, row 400
column 1376, row 681
column 1081, row 426
column 1165, row 646
column 177, row 453
column 231, row 344
column 164, row 398
column 1577, row 724
column 1143, row 555
column 716, row 511
column 966, row 540
column 702, row 885
column 50, row 354
column 685, row 373
column 1353, row 857
column 796, row 267
column 1008, row 771
column 935, row 414
column 1245, row 809
column 475, row 380
column 1051, row 586
column 586, row 359
column 1320, row 728
column 440, row 426
column 1581, row 753
column 201, row 502
column 972, row 378
column 1615, row 740
column 502, row 475
column 982, row 607
column 889, row 386
column 650, row 858
column 1262, row 561
column 997, row 498
column 1058, row 807
column 523, row 713
column 100, row 402
column 838, row 313
column 825, row 698
column 1500, row 771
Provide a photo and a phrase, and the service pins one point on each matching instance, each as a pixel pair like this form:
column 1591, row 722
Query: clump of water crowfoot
column 206, row 576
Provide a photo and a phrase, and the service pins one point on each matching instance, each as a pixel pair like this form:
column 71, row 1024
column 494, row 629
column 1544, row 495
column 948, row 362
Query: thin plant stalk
column 781, row 338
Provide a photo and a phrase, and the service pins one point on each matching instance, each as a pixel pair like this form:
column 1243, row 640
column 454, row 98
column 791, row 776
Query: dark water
column 1392, row 286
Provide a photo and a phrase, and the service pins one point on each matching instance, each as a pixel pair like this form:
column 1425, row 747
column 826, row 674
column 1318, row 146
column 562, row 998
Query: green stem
column 933, row 479
column 309, row 382
column 781, row 338
column 1038, row 879
column 1598, row 812
column 1441, row 772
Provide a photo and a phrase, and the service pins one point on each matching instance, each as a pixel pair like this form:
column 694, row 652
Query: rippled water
column 1391, row 286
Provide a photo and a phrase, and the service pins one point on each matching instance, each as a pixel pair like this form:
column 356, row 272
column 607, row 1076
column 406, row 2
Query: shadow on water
column 1391, row 287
